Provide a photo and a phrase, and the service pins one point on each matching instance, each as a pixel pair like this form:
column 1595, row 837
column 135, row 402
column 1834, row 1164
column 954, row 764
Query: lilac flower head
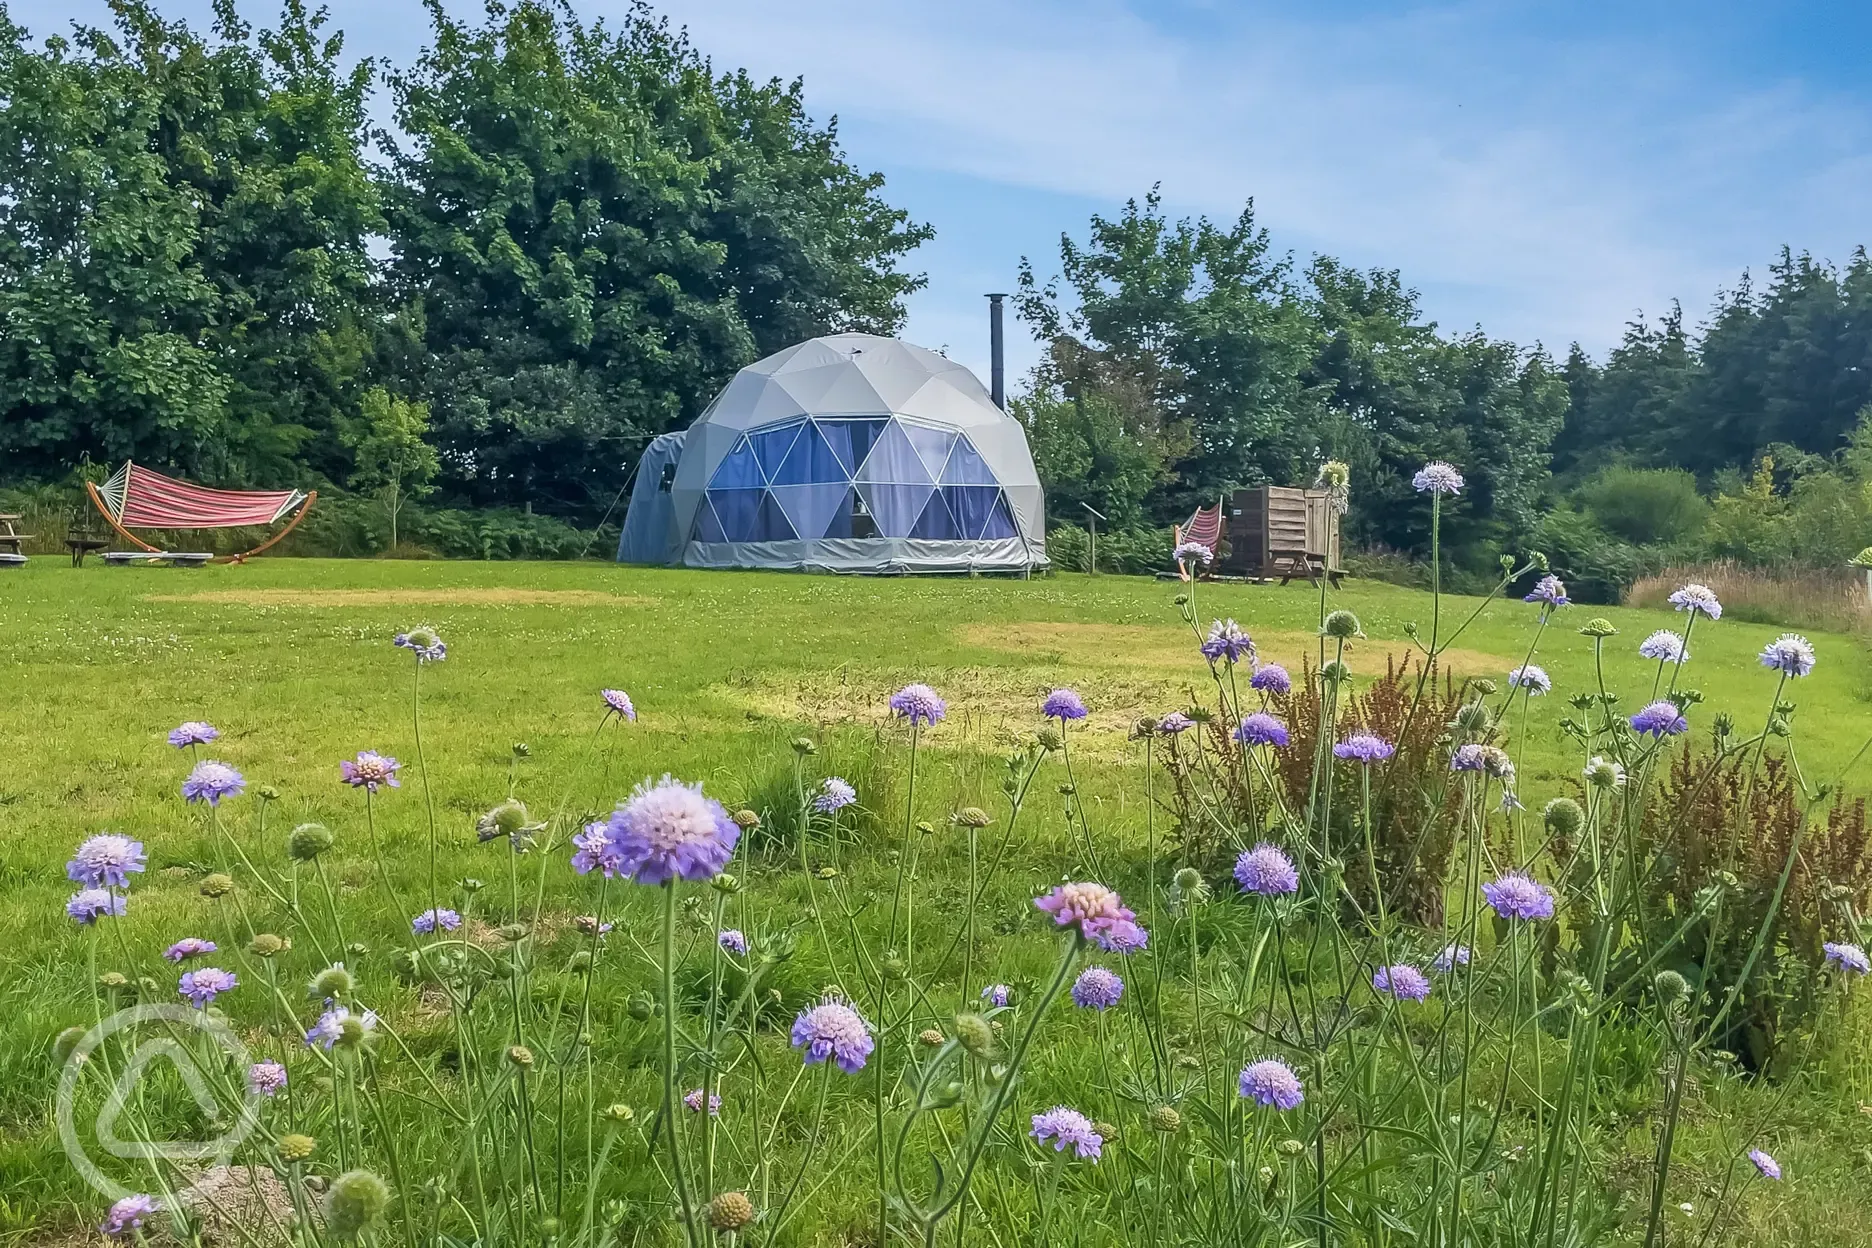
column 424, row 642
column 89, row 905
column 211, row 781
column 1531, row 678
column 692, row 1100
column 833, row 1029
column 1790, row 653
column 1124, row 937
column 330, row 1027
column 188, row 947
column 1696, row 598
column 370, row 771
column 1404, row 982
column 995, row 995
column 1364, row 747
column 203, row 986
column 1846, row 957
column 1550, row 591
column 128, row 1215
column 1262, row 728
column 429, row 920
column 1437, row 477
column 1449, row 958
column 1193, row 552
column 105, row 860
column 1470, row 757
column 1660, row 719
column 1097, row 989
column 1175, row 722
column 1226, row 640
column 919, row 704
column 835, row 794
column 732, row 939
column 618, row 703
column 1515, row 896
column 1267, row 870
column 1664, row 646
column 1769, row 1167
column 192, row 732
column 1271, row 678
column 266, row 1078
column 668, row 830
column 594, row 850
column 1063, row 704
column 1093, row 908
column 1067, row 1128
column 1272, row 1082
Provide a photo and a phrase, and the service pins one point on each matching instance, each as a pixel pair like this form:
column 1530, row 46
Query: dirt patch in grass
column 488, row 597
column 1158, row 646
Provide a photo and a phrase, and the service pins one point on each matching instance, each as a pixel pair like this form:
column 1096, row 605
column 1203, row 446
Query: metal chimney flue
column 997, row 353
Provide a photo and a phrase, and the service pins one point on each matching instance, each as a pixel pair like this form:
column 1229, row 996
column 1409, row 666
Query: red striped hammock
column 139, row 498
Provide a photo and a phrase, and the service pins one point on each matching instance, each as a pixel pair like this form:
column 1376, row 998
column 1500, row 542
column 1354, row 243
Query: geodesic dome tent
column 855, row 453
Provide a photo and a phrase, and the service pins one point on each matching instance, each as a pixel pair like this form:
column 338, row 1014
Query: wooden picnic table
column 10, row 535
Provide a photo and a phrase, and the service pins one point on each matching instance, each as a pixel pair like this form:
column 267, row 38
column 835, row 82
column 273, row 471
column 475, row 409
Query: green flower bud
column 1475, row 719
column 296, row 1147
column 111, row 981
column 803, row 746
column 512, row 933
column 580, row 963
column 1563, row 816
column 1166, row 1119
column 928, row 1036
column 1050, row 739
column 746, row 819
column 356, row 1202
column 1341, row 624
column 217, row 885
column 1335, row 673
column 1106, row 1131
column 972, row 817
column 725, row 884
column 308, row 841
column 520, row 1056
column 1672, row 989
column 729, row 1212
column 640, row 1006
column 619, row 1113
column 975, row 1035
column 1598, row 626
column 267, row 945
column 334, row 983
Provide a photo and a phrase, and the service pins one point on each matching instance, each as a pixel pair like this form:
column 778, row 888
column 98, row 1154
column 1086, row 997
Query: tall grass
column 1794, row 597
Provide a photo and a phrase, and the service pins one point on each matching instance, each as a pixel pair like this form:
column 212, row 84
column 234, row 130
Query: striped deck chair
column 1205, row 527
column 138, row 498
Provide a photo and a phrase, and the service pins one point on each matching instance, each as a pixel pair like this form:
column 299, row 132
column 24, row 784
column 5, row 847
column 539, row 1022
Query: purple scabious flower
column 1067, row 1128
column 1549, row 591
column 128, row 1215
column 1364, row 748
column 211, row 781
column 1063, row 704
column 1097, row 989
column 1271, row 678
column 1437, row 477
column 1175, row 722
column 833, row 1029
column 1470, row 757
column 667, row 830
column 1531, row 678
column 995, row 995
column 1093, row 908
column 1660, row 719
column 1847, row 957
column 329, row 1029
column 692, row 1100
column 919, row 704
column 1192, row 552
column 1449, row 958
column 192, row 732
column 1790, row 653
column 1271, row 1082
column 1226, row 640
column 1515, row 896
column 370, row 771
column 424, row 643
column 188, row 947
column 835, row 794
column 1266, row 869
column 429, row 920
column 732, row 939
column 1125, row 937
column 618, row 703
column 89, row 905
column 595, row 850
column 1664, row 646
column 1404, row 982
column 266, row 1078
column 1262, row 728
column 1696, row 598
column 1765, row 1163
column 205, row 985
column 105, row 860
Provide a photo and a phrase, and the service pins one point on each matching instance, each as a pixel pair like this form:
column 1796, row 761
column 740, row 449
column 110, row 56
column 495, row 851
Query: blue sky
column 1545, row 170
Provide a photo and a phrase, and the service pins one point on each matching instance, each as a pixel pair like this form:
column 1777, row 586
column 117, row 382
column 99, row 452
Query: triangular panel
column 1000, row 521
column 894, row 458
column 810, row 461
column 895, row 507
column 936, row 523
column 931, row 444
column 771, row 446
column 971, row 506
column 812, row 508
column 737, row 470
column 965, row 467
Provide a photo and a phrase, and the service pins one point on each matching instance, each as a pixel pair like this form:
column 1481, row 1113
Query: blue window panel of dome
column 850, row 440
column 932, row 444
column 966, row 467
column 810, row 462
column 738, row 470
column 708, row 527
column 895, row 508
column 771, row 523
column 894, row 460
column 1000, row 520
column 738, row 512
column 971, row 505
column 841, row 523
column 771, row 446
column 937, row 523
column 813, row 508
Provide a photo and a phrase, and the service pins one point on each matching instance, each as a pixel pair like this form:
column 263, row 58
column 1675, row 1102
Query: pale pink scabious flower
column 1095, row 910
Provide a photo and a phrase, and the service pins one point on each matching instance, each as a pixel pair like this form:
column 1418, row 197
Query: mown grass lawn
column 293, row 661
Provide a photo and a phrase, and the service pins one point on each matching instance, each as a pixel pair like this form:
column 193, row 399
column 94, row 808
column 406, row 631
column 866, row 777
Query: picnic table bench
column 185, row 559
column 11, row 536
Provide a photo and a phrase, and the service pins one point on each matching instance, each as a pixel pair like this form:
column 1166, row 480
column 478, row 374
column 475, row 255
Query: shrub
column 1132, row 552
column 1596, row 565
column 1645, row 506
